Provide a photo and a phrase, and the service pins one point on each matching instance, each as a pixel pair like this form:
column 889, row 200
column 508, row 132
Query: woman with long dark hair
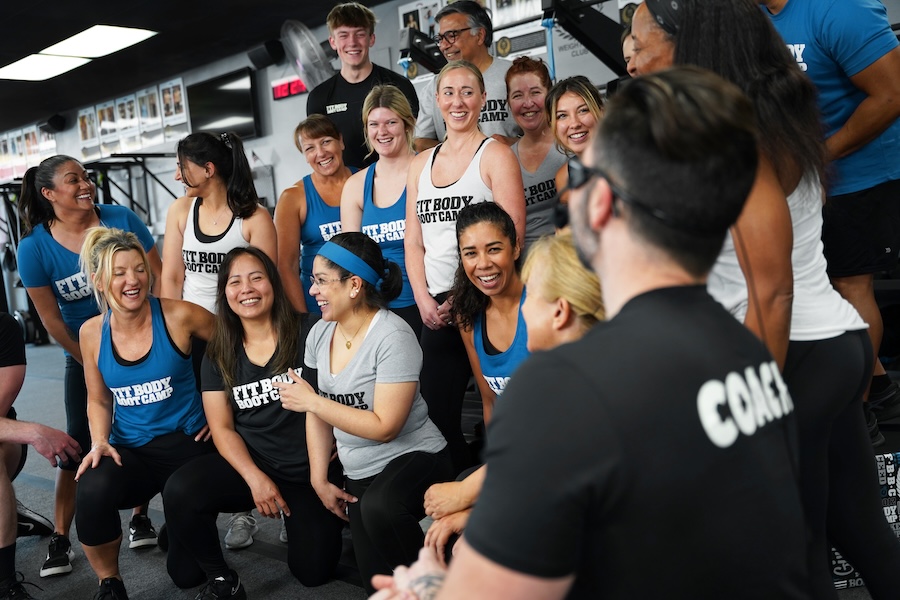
column 574, row 107
column 57, row 209
column 771, row 275
column 262, row 460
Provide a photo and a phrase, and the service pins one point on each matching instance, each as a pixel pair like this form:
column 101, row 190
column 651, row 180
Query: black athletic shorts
column 12, row 415
column 861, row 232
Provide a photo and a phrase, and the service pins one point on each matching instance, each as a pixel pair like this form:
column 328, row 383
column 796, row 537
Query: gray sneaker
column 241, row 529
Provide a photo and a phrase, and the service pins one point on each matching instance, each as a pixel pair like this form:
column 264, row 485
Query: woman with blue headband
column 368, row 363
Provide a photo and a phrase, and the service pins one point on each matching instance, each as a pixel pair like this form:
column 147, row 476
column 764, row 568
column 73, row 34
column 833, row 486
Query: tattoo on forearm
column 427, row 586
column 72, row 335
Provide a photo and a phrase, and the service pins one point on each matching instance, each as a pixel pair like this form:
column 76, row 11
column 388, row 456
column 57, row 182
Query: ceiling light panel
column 98, row 41
column 39, row 67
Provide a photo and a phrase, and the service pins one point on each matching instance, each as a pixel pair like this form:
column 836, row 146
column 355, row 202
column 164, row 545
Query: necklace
column 219, row 214
column 349, row 341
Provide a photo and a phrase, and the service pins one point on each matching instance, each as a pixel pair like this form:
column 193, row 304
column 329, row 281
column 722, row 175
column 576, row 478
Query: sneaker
column 223, row 587
column 886, row 403
column 31, row 523
column 283, row 535
column 11, row 588
column 141, row 533
column 241, row 529
column 59, row 556
column 875, row 436
column 111, row 588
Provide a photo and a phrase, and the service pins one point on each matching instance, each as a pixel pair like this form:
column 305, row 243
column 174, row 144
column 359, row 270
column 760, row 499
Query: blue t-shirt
column 154, row 395
column 387, row 226
column 45, row 262
column 833, row 40
column 497, row 368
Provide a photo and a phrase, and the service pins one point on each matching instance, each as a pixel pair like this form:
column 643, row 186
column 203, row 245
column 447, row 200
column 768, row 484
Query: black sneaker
column 141, row 533
column 59, row 556
column 11, row 588
column 111, row 588
column 223, row 587
column 31, row 523
column 875, row 435
column 886, row 403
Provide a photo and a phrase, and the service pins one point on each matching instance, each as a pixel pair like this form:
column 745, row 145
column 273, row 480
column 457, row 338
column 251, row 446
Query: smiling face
column 526, row 101
column 335, row 297
column 248, row 289
column 466, row 46
column 324, row 154
column 130, row 282
column 192, row 176
column 488, row 257
column 352, row 44
column 653, row 50
column 386, row 132
column 72, row 189
column 574, row 122
column 460, row 99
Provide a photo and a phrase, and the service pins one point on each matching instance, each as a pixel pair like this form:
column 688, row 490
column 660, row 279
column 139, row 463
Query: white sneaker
column 241, row 529
column 283, row 535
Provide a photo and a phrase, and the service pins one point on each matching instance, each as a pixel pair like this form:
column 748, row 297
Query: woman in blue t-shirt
column 57, row 208
column 374, row 200
column 137, row 363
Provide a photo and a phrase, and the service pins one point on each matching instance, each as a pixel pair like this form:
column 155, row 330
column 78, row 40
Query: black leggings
column 76, row 409
column 838, row 475
column 445, row 375
column 385, row 522
column 203, row 488
column 109, row 488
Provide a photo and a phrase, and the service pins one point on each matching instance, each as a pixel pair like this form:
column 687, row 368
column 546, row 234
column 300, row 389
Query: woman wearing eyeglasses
column 467, row 168
column 771, row 275
column 368, row 364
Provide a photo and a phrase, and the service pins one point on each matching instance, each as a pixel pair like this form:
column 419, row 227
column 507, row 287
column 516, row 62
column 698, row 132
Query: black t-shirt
column 275, row 437
column 12, row 342
column 342, row 102
column 651, row 459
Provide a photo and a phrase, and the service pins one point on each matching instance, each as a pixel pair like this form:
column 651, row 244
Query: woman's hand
column 442, row 499
column 443, row 312
column 429, row 310
column 422, row 580
column 204, row 435
column 298, row 396
column 267, row 497
column 92, row 458
column 443, row 529
column 334, row 498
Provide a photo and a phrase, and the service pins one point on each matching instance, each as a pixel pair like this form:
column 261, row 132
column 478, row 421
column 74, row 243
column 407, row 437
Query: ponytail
column 226, row 152
column 34, row 208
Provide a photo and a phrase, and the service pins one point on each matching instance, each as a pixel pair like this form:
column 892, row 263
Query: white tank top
column 818, row 311
column 437, row 208
column 202, row 255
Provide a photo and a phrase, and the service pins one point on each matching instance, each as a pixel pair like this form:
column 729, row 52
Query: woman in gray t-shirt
column 368, row 363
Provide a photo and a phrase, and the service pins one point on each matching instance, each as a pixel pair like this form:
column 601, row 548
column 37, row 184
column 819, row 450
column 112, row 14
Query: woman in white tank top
column 468, row 167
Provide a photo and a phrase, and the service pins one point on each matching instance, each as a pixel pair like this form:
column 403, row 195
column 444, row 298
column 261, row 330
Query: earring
column 353, row 293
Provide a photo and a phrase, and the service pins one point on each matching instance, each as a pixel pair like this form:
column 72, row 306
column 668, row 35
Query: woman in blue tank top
column 137, row 365
column 374, row 200
column 308, row 213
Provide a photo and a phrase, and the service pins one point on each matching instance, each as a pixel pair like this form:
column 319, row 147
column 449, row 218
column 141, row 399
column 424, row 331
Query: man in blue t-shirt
column 849, row 51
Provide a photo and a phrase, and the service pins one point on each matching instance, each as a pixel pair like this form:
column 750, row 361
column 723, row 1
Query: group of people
column 729, row 378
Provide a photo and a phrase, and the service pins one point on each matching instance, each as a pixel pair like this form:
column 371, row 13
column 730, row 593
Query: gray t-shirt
column 389, row 353
column 541, row 197
column 495, row 117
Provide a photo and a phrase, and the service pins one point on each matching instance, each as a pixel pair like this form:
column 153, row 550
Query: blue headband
column 346, row 259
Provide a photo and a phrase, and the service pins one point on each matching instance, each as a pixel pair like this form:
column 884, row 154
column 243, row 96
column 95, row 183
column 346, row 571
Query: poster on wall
column 87, row 128
column 150, row 117
column 46, row 143
column 6, row 165
column 17, row 151
column 506, row 12
column 32, row 146
column 173, row 102
column 106, row 120
column 127, row 124
column 420, row 15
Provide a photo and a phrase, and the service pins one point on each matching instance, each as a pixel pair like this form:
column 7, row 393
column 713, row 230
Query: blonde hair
column 98, row 256
column 459, row 64
column 567, row 278
column 391, row 98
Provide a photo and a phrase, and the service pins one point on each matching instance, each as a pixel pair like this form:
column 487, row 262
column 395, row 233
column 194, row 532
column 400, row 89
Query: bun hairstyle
column 376, row 295
column 226, row 152
column 97, row 260
column 35, row 208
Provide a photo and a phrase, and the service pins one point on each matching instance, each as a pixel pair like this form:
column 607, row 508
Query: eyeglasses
column 450, row 36
column 580, row 174
column 320, row 282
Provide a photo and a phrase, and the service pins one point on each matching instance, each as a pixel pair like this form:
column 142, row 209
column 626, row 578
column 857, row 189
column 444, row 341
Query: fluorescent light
column 227, row 123
column 39, row 67
column 98, row 41
column 238, row 84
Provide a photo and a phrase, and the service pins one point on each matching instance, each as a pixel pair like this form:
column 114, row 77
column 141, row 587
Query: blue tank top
column 387, row 226
column 154, row 395
column 321, row 224
column 498, row 368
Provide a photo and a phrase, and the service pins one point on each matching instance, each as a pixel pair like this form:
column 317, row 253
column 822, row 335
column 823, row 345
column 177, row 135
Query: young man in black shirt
column 606, row 482
column 351, row 28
